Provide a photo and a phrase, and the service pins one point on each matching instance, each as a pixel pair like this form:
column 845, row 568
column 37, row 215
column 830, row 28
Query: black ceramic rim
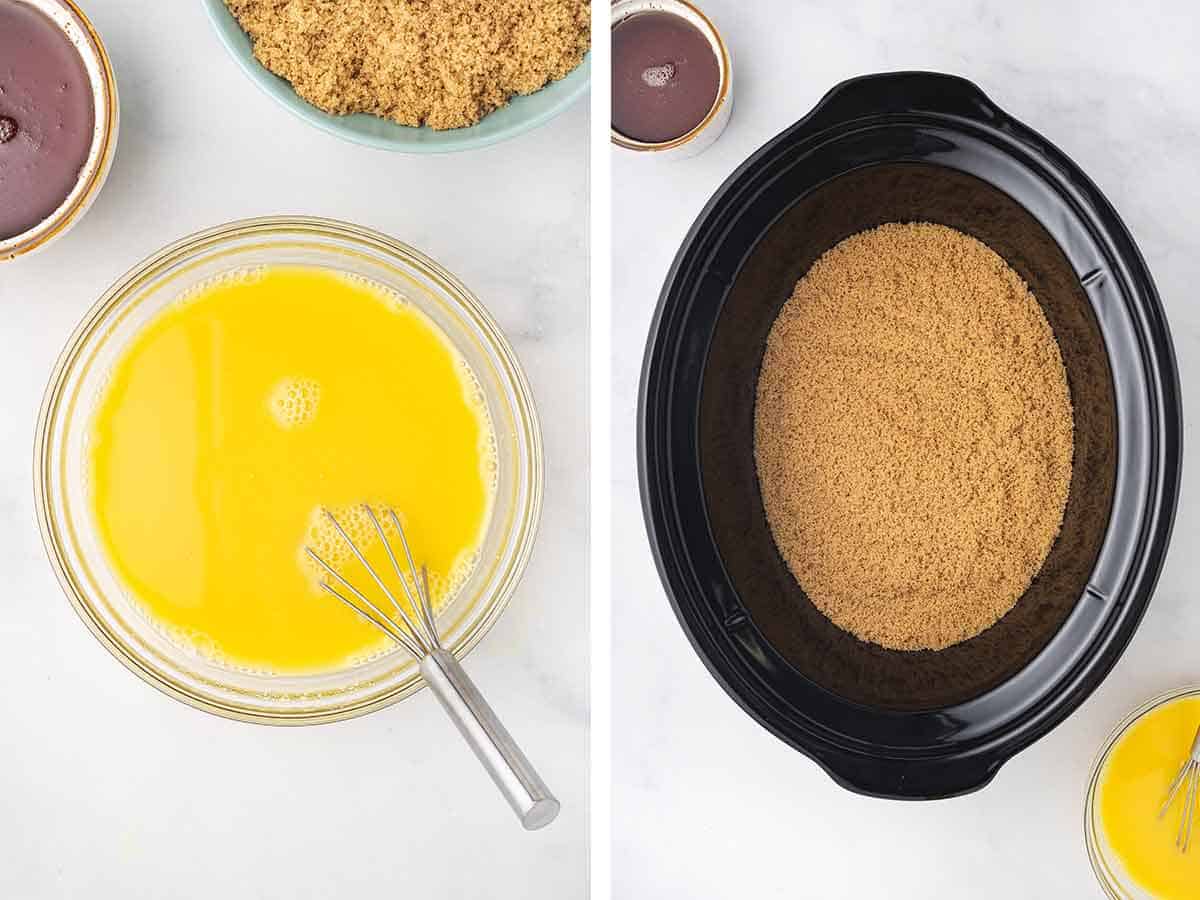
column 949, row 122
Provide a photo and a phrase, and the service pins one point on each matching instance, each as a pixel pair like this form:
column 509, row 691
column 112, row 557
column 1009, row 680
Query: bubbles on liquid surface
column 325, row 541
column 294, row 402
column 230, row 278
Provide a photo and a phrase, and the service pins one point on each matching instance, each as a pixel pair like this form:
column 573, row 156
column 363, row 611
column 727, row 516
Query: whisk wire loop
column 415, row 630
column 425, row 609
column 380, row 619
column 382, row 624
column 1187, row 781
column 358, row 554
column 387, row 548
column 1185, row 826
column 417, row 601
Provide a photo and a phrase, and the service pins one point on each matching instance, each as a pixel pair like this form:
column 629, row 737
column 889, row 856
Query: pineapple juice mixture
column 241, row 411
column 1133, row 785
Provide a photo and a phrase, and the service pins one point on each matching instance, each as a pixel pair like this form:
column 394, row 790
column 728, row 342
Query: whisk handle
column 512, row 772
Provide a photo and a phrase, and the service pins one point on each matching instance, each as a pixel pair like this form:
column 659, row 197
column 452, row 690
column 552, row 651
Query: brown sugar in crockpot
column 913, row 436
column 441, row 63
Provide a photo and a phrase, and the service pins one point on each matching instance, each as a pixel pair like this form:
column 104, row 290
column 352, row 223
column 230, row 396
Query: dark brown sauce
column 47, row 117
column 665, row 77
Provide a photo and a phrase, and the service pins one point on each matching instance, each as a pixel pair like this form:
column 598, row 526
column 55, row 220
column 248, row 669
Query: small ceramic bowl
column 706, row 133
column 70, row 18
column 522, row 114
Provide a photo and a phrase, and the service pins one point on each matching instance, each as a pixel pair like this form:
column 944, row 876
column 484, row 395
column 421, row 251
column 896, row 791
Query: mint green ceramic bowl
column 521, row 115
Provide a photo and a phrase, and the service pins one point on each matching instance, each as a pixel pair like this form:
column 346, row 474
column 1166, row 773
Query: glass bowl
column 65, row 517
column 520, row 115
column 1115, row 881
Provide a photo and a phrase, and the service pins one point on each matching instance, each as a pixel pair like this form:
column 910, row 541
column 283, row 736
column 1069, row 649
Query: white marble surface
column 708, row 804
column 109, row 789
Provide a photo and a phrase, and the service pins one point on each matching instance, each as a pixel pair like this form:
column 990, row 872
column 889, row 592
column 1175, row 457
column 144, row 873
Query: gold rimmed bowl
column 70, row 19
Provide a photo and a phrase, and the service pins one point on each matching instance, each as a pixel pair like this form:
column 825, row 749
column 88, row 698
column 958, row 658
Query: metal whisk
column 417, row 633
column 1188, row 780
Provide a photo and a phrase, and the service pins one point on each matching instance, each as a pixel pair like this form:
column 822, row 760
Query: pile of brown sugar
column 442, row 63
column 913, row 436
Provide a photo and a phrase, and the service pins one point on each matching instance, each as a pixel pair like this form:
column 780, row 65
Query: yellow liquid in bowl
column 1133, row 785
column 240, row 411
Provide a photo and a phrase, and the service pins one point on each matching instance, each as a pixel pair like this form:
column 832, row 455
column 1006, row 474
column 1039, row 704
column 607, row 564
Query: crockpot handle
column 911, row 779
column 902, row 92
